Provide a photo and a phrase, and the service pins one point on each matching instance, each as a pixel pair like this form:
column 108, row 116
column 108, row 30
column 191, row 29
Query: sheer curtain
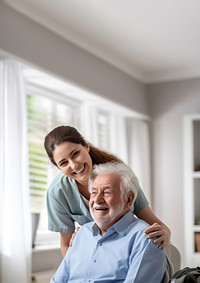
column 139, row 153
column 15, row 220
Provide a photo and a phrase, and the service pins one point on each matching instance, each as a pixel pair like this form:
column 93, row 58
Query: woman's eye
column 63, row 164
column 76, row 154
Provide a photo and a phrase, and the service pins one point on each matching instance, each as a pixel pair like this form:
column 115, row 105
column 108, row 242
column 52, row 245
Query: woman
column 68, row 195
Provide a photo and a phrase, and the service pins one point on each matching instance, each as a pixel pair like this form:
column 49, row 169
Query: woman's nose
column 72, row 164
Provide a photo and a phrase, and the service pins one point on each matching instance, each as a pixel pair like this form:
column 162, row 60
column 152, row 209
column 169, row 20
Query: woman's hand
column 160, row 232
column 157, row 229
column 64, row 242
column 73, row 236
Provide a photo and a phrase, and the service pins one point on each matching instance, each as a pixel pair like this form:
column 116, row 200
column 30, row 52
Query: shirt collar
column 120, row 226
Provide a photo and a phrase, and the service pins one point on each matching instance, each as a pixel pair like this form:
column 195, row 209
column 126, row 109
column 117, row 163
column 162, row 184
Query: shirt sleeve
column 140, row 202
column 62, row 273
column 147, row 265
column 59, row 218
column 65, row 206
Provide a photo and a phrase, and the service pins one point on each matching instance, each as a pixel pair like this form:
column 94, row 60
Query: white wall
column 169, row 102
column 37, row 45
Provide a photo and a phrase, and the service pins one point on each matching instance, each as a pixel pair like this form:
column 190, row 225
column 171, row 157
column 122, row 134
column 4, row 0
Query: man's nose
column 99, row 197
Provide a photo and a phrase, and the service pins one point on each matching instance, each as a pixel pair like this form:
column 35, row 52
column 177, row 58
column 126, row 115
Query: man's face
column 106, row 203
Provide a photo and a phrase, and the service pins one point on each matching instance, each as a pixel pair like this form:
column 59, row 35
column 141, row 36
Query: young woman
column 68, row 195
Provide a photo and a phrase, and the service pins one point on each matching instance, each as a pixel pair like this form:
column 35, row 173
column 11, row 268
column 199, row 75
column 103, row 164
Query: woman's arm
column 157, row 229
column 65, row 242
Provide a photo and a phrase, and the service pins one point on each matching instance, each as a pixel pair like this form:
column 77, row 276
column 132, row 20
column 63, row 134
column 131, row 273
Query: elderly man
column 113, row 248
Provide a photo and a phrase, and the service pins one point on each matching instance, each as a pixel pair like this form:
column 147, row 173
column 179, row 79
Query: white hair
column 128, row 180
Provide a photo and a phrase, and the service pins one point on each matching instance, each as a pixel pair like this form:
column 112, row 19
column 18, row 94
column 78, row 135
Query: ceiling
column 153, row 41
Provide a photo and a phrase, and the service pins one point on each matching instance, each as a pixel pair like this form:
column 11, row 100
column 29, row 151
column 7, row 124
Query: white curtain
column 118, row 137
column 15, row 220
column 139, row 153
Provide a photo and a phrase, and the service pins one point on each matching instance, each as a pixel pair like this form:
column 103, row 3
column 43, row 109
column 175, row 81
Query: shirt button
column 95, row 260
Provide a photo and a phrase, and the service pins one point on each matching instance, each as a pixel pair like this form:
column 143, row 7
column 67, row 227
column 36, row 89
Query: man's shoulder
column 134, row 222
column 140, row 223
column 85, row 231
column 88, row 226
column 137, row 227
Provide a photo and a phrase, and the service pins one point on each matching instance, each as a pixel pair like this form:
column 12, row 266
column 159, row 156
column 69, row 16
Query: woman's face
column 74, row 161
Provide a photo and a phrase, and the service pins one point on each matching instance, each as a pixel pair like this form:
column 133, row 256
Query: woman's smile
column 80, row 170
column 74, row 161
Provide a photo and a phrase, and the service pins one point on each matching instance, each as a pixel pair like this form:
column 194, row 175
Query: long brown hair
column 63, row 134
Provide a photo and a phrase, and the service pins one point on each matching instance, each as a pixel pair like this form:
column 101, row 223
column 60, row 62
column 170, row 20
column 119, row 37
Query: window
column 43, row 114
column 103, row 130
column 38, row 108
column 51, row 103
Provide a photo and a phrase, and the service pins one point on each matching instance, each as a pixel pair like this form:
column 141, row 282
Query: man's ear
column 130, row 199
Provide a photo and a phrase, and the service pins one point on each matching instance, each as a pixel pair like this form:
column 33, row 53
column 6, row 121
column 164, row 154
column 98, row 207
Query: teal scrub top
column 65, row 205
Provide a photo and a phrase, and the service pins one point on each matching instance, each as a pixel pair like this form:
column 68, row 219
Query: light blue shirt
column 123, row 254
column 65, row 205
